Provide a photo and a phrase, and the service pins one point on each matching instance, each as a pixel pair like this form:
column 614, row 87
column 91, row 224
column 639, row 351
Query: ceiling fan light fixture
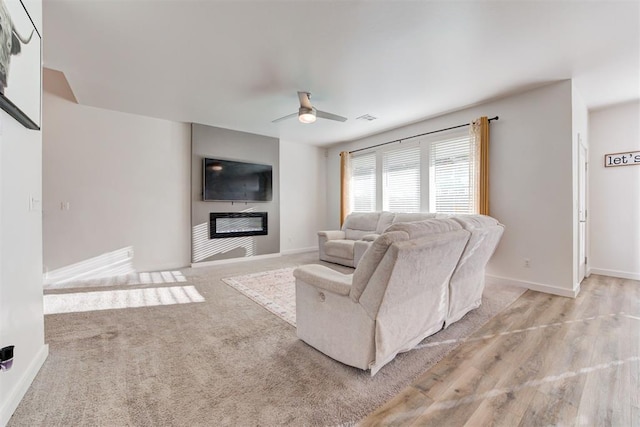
column 306, row 115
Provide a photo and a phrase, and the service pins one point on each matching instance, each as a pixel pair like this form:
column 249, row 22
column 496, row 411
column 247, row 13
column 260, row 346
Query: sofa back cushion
column 371, row 259
column 485, row 236
column 470, row 222
column 426, row 227
column 411, row 302
column 467, row 282
column 386, row 219
column 397, row 232
column 359, row 224
column 412, row 216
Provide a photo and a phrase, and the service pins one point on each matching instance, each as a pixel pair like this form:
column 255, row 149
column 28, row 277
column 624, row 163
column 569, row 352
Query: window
column 363, row 183
column 401, row 180
column 452, row 177
column 438, row 174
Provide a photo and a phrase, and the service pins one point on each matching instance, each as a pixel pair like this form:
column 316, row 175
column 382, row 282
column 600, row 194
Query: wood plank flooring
column 545, row 361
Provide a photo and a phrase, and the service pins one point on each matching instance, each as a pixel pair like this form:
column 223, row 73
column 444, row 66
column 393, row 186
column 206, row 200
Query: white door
column 582, row 210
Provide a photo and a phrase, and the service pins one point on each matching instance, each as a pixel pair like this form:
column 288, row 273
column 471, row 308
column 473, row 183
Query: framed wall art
column 20, row 64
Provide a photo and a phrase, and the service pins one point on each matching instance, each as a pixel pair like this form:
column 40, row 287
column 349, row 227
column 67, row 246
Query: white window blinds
column 363, row 183
column 452, row 180
column 401, row 180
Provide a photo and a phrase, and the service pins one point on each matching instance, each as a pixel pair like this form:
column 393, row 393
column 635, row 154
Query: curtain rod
column 415, row 136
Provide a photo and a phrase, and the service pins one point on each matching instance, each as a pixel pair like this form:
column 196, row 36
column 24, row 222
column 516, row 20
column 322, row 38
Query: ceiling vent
column 367, row 117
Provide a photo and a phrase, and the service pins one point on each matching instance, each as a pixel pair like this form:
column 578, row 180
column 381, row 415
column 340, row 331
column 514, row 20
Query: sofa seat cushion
column 339, row 248
column 370, row 237
column 356, row 234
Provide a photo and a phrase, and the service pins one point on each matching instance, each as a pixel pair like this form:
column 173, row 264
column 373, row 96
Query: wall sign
column 628, row 158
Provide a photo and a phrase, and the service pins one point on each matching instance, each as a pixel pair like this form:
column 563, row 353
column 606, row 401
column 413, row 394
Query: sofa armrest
column 333, row 234
column 370, row 237
column 324, row 278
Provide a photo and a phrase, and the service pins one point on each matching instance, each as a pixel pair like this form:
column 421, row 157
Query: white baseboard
column 571, row 293
column 299, row 251
column 232, row 260
column 162, row 267
column 15, row 396
column 615, row 273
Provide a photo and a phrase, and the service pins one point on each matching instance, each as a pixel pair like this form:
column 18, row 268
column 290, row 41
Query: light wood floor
column 545, row 361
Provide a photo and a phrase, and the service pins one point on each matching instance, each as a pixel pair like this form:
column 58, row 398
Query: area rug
column 274, row 290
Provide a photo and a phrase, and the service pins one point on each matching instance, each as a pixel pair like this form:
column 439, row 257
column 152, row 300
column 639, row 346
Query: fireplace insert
column 237, row 224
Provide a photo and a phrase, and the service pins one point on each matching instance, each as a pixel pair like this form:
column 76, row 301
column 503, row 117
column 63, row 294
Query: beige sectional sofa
column 415, row 279
column 347, row 245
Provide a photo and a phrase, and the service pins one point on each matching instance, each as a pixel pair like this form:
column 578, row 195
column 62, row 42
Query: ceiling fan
column 307, row 112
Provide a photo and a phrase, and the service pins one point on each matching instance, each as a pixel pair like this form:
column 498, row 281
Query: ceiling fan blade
column 325, row 115
column 288, row 116
column 305, row 100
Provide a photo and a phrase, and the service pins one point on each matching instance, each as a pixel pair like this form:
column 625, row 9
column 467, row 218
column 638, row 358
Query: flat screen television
column 227, row 180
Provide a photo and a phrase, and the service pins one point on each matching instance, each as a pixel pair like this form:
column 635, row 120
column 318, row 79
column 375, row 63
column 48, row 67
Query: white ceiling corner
column 238, row 65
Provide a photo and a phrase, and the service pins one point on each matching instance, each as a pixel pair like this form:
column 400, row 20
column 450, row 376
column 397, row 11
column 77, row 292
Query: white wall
column 531, row 179
column 303, row 196
column 126, row 179
column 614, row 193
column 21, row 318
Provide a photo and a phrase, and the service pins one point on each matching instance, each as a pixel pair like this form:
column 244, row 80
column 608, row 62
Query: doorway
column 583, row 165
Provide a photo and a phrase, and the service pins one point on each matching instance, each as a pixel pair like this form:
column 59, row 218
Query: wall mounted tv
column 227, row 180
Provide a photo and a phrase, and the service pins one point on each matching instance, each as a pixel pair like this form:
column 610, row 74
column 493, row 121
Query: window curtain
column 480, row 138
column 345, row 180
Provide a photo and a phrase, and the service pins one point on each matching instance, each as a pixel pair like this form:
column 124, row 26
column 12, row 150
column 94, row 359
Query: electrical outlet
column 527, row 263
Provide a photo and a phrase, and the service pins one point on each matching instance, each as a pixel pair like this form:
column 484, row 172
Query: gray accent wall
column 212, row 142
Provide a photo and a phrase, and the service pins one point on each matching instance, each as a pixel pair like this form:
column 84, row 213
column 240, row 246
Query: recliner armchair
column 397, row 295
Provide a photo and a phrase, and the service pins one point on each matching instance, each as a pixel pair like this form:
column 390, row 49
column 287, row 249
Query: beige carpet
column 225, row 361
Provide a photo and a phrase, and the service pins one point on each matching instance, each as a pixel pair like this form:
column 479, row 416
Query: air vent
column 367, row 117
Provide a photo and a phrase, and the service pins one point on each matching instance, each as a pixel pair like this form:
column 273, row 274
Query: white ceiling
column 239, row 64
